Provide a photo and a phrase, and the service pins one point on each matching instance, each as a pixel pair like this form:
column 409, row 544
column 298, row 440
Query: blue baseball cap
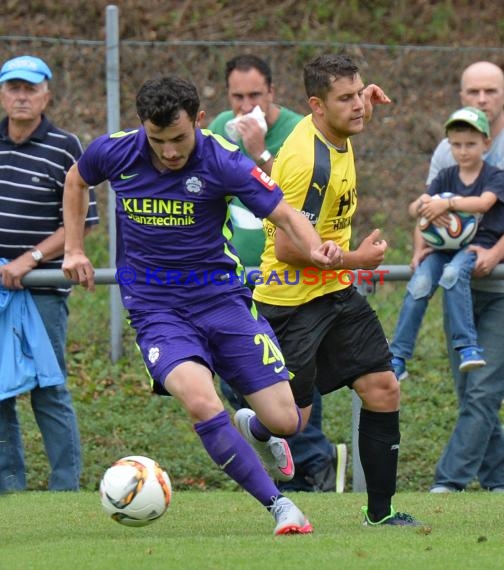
column 27, row 68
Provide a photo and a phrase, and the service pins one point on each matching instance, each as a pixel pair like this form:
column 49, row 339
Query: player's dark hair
column 247, row 62
column 320, row 72
column 161, row 100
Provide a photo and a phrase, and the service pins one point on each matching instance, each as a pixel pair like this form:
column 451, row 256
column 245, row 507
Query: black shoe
column 332, row 477
column 394, row 519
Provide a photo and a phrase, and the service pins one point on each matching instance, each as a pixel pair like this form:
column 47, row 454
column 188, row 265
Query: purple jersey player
column 192, row 314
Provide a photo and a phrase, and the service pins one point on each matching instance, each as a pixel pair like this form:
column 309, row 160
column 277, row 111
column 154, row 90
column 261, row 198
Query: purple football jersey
column 173, row 227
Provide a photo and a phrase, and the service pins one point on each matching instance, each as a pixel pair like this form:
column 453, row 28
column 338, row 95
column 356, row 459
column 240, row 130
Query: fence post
column 113, row 122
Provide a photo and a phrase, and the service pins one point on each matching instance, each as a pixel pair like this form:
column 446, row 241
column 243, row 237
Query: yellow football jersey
column 318, row 180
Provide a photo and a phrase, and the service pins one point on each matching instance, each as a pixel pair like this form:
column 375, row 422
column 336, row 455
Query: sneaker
column 275, row 453
column 470, row 357
column 289, row 519
column 443, row 489
column 331, row 478
column 399, row 366
column 394, row 519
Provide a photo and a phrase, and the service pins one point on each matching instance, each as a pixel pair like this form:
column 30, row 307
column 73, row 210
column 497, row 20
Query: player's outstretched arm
column 297, row 243
column 76, row 266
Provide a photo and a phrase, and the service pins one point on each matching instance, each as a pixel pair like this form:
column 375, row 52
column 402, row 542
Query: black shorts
column 330, row 341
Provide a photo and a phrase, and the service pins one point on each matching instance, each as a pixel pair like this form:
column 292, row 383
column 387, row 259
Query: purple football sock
column 259, row 430
column 262, row 433
column 234, row 455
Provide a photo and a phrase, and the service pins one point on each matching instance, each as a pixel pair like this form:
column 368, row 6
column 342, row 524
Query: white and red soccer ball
column 135, row 491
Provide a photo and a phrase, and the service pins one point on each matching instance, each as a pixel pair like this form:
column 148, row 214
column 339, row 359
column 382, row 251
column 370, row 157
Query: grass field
column 222, row 530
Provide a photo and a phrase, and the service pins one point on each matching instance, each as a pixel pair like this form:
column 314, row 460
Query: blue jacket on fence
column 27, row 357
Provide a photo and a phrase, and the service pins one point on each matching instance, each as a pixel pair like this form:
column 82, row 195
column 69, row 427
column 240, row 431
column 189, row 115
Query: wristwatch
column 265, row 156
column 37, row 255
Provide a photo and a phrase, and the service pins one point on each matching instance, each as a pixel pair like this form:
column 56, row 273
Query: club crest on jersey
column 154, row 354
column 194, row 185
column 263, row 178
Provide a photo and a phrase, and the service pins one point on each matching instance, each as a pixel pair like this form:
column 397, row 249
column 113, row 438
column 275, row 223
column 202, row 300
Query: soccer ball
column 458, row 234
column 135, row 491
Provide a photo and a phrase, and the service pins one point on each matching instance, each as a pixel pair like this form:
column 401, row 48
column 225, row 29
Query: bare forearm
column 473, row 204
column 295, row 239
column 75, row 207
column 53, row 245
column 352, row 260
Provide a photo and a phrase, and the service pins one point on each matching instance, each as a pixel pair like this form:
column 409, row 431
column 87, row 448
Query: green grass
column 228, row 530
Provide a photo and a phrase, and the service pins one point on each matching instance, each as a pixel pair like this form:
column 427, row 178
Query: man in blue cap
column 26, row 68
column 35, row 157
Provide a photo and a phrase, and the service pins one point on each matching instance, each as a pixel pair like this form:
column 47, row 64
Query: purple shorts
column 227, row 335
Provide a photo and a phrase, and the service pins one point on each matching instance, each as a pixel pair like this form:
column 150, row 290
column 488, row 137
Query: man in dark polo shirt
column 34, row 159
